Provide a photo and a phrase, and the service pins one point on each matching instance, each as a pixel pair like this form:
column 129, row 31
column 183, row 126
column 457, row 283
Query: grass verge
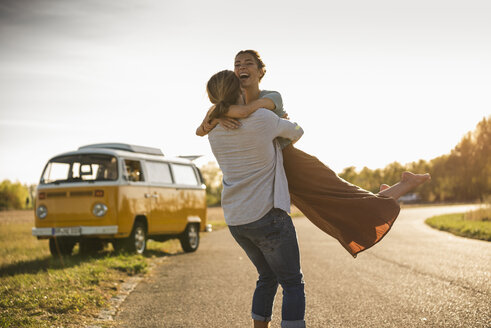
column 474, row 224
column 69, row 293
column 37, row 290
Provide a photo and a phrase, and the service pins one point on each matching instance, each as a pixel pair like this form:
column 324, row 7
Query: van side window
column 184, row 175
column 158, row 172
column 133, row 170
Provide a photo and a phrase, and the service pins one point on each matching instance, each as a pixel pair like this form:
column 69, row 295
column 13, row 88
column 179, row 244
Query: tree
column 392, row 173
column 482, row 162
column 462, row 175
column 349, row 174
column 13, row 195
column 213, row 180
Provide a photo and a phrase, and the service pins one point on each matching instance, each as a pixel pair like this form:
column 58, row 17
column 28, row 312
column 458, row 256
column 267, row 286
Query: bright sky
column 371, row 82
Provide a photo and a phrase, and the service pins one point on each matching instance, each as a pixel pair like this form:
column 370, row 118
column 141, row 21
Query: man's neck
column 251, row 93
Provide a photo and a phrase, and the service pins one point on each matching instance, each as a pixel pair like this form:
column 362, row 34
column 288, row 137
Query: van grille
column 60, row 194
column 56, row 194
column 80, row 193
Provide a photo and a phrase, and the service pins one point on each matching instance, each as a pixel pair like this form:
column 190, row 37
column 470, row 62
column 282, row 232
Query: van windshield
column 79, row 168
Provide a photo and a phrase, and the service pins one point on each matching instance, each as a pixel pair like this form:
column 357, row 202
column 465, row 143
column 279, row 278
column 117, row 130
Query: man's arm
column 279, row 127
column 289, row 130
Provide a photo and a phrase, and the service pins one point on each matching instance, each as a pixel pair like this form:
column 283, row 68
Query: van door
column 190, row 195
column 163, row 197
column 134, row 197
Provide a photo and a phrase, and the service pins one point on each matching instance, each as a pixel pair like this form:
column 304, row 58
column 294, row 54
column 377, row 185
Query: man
column 255, row 202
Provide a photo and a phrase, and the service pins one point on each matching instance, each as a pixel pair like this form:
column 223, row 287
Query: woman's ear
column 261, row 73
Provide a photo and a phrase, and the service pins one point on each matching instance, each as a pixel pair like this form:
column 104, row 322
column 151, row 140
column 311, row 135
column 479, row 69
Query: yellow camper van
column 119, row 193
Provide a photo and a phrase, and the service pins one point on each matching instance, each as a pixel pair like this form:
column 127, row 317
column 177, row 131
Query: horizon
column 202, row 161
column 370, row 84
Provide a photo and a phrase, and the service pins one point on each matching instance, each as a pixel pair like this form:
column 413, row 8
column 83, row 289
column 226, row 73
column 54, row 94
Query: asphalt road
column 415, row 277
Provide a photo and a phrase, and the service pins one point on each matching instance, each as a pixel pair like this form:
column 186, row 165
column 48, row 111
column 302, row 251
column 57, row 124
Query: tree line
column 463, row 175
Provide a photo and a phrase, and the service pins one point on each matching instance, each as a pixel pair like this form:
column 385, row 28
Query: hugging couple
column 252, row 140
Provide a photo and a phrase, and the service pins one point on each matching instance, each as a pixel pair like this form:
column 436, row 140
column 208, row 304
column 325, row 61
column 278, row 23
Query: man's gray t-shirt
column 254, row 180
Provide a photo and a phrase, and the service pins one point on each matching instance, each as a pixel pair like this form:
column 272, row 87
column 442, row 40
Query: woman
column 357, row 218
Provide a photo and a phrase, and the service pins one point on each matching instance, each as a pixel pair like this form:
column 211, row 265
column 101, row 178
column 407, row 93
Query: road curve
column 415, row 277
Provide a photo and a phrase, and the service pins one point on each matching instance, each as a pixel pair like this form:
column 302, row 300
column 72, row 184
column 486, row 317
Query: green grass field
column 475, row 224
column 37, row 290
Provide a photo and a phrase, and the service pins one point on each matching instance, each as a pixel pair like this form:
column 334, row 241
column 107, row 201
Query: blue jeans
column 271, row 244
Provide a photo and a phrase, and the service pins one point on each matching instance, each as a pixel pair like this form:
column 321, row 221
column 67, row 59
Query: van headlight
column 41, row 212
column 99, row 209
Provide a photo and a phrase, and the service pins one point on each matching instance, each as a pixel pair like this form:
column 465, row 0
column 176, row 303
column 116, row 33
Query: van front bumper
column 75, row 231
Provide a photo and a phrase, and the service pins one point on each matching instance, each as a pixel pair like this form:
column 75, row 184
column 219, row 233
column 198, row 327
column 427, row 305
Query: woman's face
column 246, row 70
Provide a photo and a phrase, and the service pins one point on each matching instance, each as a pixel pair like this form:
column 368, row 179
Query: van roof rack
column 190, row 157
column 126, row 147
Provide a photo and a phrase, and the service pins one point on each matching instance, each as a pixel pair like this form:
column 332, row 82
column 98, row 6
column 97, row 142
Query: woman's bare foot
column 408, row 182
column 414, row 180
column 384, row 186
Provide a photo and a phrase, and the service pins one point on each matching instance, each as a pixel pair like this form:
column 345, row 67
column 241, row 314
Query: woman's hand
column 206, row 126
column 209, row 126
column 229, row 123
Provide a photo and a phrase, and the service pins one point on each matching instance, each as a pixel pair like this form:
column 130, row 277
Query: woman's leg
column 357, row 218
column 408, row 182
column 384, row 186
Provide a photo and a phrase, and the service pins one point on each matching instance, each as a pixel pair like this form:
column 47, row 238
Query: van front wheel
column 136, row 242
column 90, row 246
column 61, row 246
column 190, row 238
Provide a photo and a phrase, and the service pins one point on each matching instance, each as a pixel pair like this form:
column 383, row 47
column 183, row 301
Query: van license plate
column 66, row 231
